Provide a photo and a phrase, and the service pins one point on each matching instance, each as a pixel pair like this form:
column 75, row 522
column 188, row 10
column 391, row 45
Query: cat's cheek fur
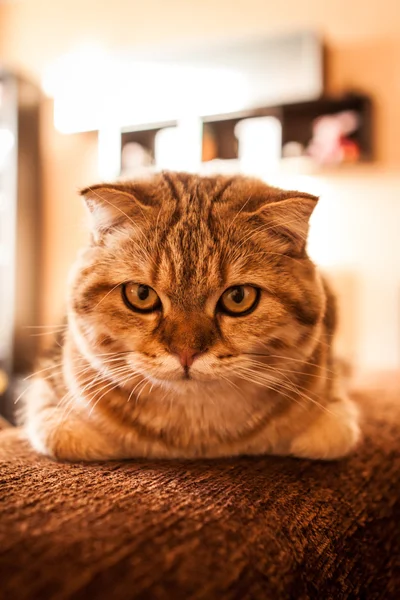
column 332, row 435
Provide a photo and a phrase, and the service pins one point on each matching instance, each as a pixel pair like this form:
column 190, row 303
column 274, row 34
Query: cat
column 197, row 327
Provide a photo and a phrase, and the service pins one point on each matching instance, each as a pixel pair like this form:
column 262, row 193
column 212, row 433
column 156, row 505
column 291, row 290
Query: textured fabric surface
column 254, row 528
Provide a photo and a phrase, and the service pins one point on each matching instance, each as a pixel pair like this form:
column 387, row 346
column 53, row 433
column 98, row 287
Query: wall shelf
column 296, row 119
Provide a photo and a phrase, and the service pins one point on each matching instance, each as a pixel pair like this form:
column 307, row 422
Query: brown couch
column 256, row 528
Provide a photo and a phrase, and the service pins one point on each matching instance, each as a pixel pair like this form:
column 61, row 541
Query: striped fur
column 263, row 382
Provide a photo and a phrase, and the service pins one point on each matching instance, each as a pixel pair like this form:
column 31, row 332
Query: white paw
column 333, row 434
column 71, row 438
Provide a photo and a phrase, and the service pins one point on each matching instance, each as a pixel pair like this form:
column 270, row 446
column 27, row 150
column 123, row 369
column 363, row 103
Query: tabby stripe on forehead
column 176, row 215
column 211, row 223
column 172, row 186
column 157, row 265
column 221, row 191
column 303, row 312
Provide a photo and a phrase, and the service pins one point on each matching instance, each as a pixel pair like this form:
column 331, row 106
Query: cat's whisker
column 270, row 386
column 86, row 368
column 263, row 229
column 136, row 386
column 229, row 382
column 69, row 398
column 89, row 382
column 116, row 207
column 53, row 332
column 78, row 359
column 267, row 253
column 276, row 390
column 135, row 224
column 288, row 372
column 165, row 395
column 266, row 372
column 117, row 376
column 287, row 383
column 22, row 394
column 133, row 389
column 29, row 387
column 69, row 405
column 145, row 253
column 59, row 326
column 109, row 292
column 43, row 371
column 285, row 358
column 70, row 402
column 107, row 383
column 111, row 373
column 292, row 387
column 141, row 391
column 57, row 372
column 108, row 391
column 239, row 212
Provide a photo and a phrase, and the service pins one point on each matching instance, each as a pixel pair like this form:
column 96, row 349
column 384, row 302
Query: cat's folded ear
column 289, row 218
column 111, row 205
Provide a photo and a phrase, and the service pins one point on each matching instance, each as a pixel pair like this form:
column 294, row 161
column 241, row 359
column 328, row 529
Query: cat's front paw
column 333, row 434
column 71, row 439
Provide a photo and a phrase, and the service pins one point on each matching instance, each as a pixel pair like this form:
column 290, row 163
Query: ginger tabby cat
column 197, row 327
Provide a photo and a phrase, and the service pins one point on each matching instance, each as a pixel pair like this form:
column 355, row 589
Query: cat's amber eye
column 239, row 300
column 139, row 297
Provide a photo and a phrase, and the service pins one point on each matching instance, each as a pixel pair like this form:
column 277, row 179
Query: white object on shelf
column 167, row 152
column 260, row 144
column 179, row 148
column 109, row 152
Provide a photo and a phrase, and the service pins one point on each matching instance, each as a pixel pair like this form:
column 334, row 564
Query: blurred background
column 302, row 93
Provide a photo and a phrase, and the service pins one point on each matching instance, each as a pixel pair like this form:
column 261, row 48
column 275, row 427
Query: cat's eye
column 140, row 298
column 239, row 300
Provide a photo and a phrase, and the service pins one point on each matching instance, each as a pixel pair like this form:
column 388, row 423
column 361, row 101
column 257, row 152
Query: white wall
column 356, row 231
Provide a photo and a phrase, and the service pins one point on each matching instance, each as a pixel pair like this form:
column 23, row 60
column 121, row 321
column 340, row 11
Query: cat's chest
column 203, row 417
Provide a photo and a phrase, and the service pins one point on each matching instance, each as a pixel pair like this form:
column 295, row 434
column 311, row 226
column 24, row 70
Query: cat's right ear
column 109, row 206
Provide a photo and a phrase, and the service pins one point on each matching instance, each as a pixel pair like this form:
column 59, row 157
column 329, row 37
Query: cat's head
column 187, row 277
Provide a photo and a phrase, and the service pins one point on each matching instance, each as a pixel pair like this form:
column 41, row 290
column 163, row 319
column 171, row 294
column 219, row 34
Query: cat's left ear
column 289, row 217
column 111, row 205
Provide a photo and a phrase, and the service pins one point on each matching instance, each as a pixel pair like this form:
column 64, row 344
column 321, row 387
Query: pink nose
column 187, row 357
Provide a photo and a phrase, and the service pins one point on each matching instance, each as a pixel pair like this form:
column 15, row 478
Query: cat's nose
column 187, row 356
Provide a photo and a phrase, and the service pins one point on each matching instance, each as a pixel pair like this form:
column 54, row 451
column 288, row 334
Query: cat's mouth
column 186, row 375
column 182, row 377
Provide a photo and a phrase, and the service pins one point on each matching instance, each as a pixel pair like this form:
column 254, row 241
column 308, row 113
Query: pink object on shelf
column 330, row 143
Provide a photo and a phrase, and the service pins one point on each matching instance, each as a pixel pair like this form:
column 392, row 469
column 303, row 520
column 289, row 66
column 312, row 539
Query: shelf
column 297, row 122
column 144, row 135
